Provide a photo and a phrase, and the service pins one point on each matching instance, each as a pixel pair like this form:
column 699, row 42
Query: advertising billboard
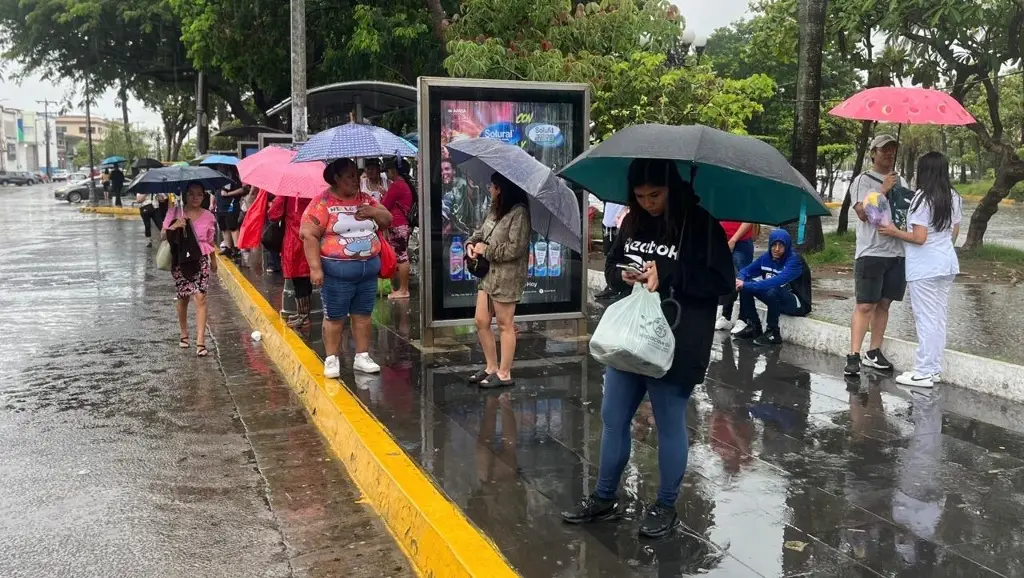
column 549, row 121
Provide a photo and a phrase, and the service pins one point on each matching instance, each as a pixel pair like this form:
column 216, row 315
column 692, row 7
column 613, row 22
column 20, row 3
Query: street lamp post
column 677, row 55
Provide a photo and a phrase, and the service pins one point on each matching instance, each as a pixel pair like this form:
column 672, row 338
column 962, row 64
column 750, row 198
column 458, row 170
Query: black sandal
column 201, row 351
column 492, row 381
column 478, row 376
column 183, row 343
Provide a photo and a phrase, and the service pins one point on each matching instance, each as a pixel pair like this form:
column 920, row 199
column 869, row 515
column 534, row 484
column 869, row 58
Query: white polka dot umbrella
column 354, row 141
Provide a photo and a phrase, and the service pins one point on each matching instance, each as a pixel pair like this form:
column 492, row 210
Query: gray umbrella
column 738, row 178
column 554, row 208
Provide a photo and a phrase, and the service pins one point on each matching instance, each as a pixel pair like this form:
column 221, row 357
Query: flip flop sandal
column 478, row 376
column 492, row 381
column 201, row 351
column 183, row 343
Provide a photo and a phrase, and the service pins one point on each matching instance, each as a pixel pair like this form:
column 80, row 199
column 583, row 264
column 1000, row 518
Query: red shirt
column 398, row 200
column 732, row 226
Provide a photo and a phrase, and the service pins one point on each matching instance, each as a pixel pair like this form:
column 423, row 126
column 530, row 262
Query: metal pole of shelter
column 202, row 118
column 298, row 51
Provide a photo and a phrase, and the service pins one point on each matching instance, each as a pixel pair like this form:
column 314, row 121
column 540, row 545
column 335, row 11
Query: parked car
column 19, row 178
column 77, row 191
column 60, row 175
column 77, row 176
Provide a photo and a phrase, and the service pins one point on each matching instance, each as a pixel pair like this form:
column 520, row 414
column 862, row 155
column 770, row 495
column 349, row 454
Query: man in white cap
column 879, row 275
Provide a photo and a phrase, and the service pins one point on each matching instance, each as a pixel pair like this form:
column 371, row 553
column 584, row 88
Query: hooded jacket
column 790, row 272
column 698, row 269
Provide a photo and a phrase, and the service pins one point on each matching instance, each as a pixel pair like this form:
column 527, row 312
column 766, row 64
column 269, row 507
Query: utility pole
column 299, row 121
column 46, row 121
column 202, row 121
column 93, row 198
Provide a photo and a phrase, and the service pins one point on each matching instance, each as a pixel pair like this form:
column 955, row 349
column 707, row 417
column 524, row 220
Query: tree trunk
column 437, row 17
column 862, row 151
column 811, row 18
column 1009, row 172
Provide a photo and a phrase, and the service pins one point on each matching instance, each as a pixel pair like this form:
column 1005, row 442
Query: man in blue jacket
column 781, row 280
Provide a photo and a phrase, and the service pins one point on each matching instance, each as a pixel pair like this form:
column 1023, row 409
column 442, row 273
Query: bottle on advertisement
column 540, row 268
column 554, row 259
column 529, row 268
column 455, row 259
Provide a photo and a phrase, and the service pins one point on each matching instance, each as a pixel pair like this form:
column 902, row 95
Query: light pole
column 298, row 69
column 46, row 122
column 689, row 38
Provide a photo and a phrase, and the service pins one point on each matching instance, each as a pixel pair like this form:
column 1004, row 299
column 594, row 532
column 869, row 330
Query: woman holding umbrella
column 339, row 236
column 192, row 280
column 293, row 258
column 504, row 241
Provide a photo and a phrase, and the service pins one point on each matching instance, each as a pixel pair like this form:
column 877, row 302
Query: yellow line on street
column 432, row 531
column 114, row 211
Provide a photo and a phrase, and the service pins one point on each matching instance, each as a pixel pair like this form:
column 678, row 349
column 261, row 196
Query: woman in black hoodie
column 687, row 261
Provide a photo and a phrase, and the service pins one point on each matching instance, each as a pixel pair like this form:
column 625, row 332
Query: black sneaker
column 591, row 509
column 770, row 337
column 875, row 359
column 852, row 364
column 749, row 332
column 659, row 520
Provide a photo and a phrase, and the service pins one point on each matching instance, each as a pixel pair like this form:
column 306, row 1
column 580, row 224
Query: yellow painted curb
column 834, row 205
column 432, row 531
column 115, row 211
column 978, row 198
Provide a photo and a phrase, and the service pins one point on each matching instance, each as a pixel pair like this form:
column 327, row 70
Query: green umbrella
column 737, row 178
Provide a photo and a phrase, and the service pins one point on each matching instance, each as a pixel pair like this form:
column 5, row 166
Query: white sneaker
column 723, row 324
column 332, row 367
column 914, row 380
column 363, row 363
column 740, row 325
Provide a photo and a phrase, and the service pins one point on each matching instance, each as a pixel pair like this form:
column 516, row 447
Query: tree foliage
column 617, row 46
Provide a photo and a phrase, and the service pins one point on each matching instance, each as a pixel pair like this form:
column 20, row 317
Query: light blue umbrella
column 353, row 141
column 554, row 208
column 220, row 160
column 114, row 160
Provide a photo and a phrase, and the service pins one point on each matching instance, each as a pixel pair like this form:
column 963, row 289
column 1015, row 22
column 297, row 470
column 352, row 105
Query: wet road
column 125, row 456
column 793, row 471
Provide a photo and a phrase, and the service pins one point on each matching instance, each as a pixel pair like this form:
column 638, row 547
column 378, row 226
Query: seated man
column 781, row 280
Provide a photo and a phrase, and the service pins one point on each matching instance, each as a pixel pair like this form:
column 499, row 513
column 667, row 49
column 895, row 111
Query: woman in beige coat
column 504, row 240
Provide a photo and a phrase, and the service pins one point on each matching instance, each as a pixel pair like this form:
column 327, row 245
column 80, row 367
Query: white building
column 24, row 137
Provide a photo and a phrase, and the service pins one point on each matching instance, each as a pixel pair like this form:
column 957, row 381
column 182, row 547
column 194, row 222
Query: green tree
column 831, row 158
column 128, row 144
column 966, row 44
column 617, row 46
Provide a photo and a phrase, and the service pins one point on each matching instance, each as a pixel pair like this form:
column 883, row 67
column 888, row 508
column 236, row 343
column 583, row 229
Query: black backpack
column 899, row 198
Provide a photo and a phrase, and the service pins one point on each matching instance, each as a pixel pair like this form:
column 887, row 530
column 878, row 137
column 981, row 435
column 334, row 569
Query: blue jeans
column 742, row 255
column 623, row 392
column 780, row 301
column 350, row 287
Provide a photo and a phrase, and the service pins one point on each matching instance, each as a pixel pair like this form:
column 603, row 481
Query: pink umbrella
column 272, row 169
column 904, row 106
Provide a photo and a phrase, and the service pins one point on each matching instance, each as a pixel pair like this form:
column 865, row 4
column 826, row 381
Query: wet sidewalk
column 123, row 455
column 793, row 470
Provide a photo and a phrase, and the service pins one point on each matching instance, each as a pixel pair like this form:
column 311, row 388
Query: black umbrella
column 175, row 179
column 246, row 131
column 738, row 178
column 147, row 163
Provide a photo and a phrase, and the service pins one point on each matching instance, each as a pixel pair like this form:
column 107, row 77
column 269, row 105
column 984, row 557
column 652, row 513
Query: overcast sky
column 704, row 16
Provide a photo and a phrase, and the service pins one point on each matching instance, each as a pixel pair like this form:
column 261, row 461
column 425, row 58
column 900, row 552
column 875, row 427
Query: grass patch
column 994, row 254
column 838, row 250
column 980, row 189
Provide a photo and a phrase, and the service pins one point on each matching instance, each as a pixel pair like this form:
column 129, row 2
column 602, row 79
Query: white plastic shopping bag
column 633, row 335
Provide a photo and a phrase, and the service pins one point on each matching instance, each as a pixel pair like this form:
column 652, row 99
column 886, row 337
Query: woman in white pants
column 932, row 265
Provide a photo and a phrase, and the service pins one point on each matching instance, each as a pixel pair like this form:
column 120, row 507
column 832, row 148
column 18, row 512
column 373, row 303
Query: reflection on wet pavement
column 793, row 470
column 123, row 455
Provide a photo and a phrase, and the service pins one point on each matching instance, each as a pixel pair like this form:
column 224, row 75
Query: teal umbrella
column 114, row 160
column 737, row 178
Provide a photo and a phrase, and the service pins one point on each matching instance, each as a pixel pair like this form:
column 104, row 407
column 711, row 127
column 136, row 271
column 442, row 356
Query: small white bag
column 633, row 335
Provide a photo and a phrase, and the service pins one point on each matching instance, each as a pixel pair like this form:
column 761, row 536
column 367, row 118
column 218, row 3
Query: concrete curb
column 120, row 212
column 433, row 532
column 981, row 374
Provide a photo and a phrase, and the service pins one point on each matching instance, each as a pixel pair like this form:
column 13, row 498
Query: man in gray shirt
column 879, row 276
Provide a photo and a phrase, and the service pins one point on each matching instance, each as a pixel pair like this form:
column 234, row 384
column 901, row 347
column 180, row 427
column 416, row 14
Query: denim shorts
column 350, row 287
